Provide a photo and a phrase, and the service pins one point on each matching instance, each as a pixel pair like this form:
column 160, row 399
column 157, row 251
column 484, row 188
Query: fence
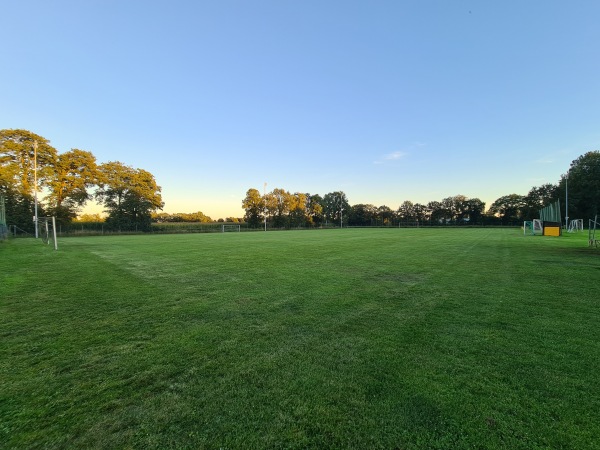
column 3, row 227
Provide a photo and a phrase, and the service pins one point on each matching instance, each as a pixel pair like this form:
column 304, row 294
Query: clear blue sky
column 385, row 100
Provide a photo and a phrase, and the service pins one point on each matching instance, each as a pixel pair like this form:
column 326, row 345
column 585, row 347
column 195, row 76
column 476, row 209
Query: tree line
column 65, row 182
column 282, row 209
column 30, row 168
column 580, row 186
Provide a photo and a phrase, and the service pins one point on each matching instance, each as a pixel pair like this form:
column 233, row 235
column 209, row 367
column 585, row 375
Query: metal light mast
column 567, row 201
column 35, row 199
column 341, row 211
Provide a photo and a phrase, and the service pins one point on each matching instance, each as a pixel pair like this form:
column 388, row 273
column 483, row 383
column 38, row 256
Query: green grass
column 386, row 338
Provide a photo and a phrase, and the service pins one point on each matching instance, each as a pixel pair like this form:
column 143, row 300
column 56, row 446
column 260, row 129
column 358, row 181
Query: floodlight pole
column 35, row 199
column 341, row 212
column 567, row 201
column 265, row 200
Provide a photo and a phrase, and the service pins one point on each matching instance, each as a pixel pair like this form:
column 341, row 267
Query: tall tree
column 315, row 209
column 277, row 203
column 21, row 151
column 298, row 214
column 459, row 208
column 538, row 198
column 254, row 205
column 435, row 211
column 583, row 185
column 448, row 209
column 385, row 215
column 508, row 208
column 129, row 196
column 474, row 210
column 362, row 215
column 421, row 212
column 336, row 207
column 74, row 173
column 24, row 156
column 406, row 211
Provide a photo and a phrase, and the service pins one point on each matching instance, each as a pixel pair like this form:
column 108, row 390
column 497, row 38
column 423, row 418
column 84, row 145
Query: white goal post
column 226, row 228
column 47, row 230
column 538, row 226
column 575, row 225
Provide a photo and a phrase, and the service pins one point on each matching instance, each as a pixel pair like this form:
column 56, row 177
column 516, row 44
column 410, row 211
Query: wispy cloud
column 394, row 156
column 389, row 158
column 545, row 161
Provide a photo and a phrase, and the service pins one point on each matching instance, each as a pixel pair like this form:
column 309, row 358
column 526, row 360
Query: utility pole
column 35, row 199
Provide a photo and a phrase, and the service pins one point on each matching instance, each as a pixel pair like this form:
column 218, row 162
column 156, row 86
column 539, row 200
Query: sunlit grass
column 419, row 338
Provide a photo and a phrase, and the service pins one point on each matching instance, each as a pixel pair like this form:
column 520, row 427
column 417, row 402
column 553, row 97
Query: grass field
column 384, row 338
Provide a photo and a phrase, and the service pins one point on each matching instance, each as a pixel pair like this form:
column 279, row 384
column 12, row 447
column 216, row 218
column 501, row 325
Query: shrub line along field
column 377, row 338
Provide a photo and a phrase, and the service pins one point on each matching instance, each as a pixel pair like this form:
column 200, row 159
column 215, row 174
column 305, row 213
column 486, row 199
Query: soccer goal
column 575, row 225
column 533, row 227
column 538, row 226
column 226, row 228
column 47, row 230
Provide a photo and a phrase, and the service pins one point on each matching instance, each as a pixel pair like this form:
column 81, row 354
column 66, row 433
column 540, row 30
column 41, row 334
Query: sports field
column 380, row 338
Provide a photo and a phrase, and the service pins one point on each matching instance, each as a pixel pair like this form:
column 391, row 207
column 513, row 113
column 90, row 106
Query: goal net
column 226, row 228
column 533, row 227
column 575, row 225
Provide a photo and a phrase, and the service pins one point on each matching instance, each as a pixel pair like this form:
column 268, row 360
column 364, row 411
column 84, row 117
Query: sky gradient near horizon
column 385, row 100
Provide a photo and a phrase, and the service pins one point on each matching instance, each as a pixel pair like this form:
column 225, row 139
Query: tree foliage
column 75, row 173
column 132, row 197
column 538, row 198
column 583, row 184
column 129, row 195
column 314, row 206
column 336, row 207
column 67, row 179
column 21, row 151
column 362, row 215
column 508, row 208
column 254, row 205
column 197, row 216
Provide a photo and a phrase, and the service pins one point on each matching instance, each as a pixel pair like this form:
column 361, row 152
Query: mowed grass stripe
column 448, row 338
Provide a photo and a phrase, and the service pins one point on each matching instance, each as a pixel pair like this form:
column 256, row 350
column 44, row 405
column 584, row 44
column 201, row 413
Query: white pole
column 54, row 232
column 567, row 201
column 265, row 200
column 341, row 211
column 35, row 200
